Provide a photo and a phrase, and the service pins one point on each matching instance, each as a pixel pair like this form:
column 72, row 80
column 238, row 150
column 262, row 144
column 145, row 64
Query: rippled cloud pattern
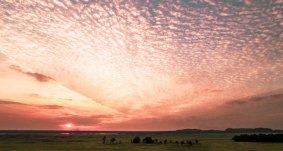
column 133, row 54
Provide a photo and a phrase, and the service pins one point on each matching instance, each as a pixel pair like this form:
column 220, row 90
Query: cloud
column 23, row 121
column 256, row 100
column 2, row 57
column 27, row 117
column 6, row 102
column 51, row 107
column 38, row 76
column 35, row 95
column 80, row 120
column 236, row 102
column 237, row 113
column 268, row 98
column 12, row 103
column 213, row 90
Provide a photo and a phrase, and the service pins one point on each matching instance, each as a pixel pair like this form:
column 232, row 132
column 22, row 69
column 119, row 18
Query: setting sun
column 68, row 125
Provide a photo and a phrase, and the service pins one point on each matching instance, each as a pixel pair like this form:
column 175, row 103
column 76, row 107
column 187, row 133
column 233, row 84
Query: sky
column 141, row 65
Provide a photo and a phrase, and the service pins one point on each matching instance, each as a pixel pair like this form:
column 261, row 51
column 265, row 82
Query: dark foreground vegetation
column 276, row 138
column 126, row 141
column 149, row 140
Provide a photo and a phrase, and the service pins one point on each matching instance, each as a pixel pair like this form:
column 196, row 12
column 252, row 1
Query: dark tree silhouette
column 148, row 140
column 104, row 139
column 197, row 142
column 165, row 141
column 112, row 140
column 136, row 140
column 259, row 138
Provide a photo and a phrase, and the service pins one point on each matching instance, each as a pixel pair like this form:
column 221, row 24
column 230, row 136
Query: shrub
column 259, row 138
column 136, row 140
column 165, row 141
column 148, row 140
column 112, row 140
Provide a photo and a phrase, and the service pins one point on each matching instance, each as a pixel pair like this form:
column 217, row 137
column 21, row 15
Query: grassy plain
column 93, row 142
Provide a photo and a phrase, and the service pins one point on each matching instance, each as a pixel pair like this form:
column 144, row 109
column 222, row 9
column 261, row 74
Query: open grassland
column 93, row 142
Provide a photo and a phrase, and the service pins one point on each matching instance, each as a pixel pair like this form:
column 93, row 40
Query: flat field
column 93, row 142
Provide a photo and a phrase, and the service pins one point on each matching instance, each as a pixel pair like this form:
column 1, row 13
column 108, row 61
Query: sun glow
column 67, row 126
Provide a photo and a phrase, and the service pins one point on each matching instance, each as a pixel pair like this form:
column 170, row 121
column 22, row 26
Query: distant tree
column 188, row 142
column 112, row 140
column 104, row 139
column 156, row 141
column 136, row 140
column 148, row 140
column 197, row 142
column 182, row 142
column 170, row 141
column 176, row 142
column 259, row 138
column 165, row 141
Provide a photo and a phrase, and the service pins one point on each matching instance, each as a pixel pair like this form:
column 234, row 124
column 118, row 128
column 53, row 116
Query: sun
column 69, row 125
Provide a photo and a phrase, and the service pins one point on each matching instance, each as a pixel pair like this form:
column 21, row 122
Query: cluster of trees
column 149, row 140
column 259, row 138
column 112, row 140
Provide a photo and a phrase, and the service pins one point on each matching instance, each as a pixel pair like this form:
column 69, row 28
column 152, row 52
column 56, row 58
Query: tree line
column 258, row 138
column 149, row 140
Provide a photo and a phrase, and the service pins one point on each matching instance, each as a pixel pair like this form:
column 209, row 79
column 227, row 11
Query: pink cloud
column 39, row 77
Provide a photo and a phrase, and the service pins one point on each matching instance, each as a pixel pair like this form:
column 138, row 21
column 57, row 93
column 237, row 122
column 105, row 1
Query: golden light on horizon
column 67, row 126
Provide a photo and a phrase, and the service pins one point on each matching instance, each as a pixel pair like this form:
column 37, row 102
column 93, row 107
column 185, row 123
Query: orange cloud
column 51, row 107
column 39, row 77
